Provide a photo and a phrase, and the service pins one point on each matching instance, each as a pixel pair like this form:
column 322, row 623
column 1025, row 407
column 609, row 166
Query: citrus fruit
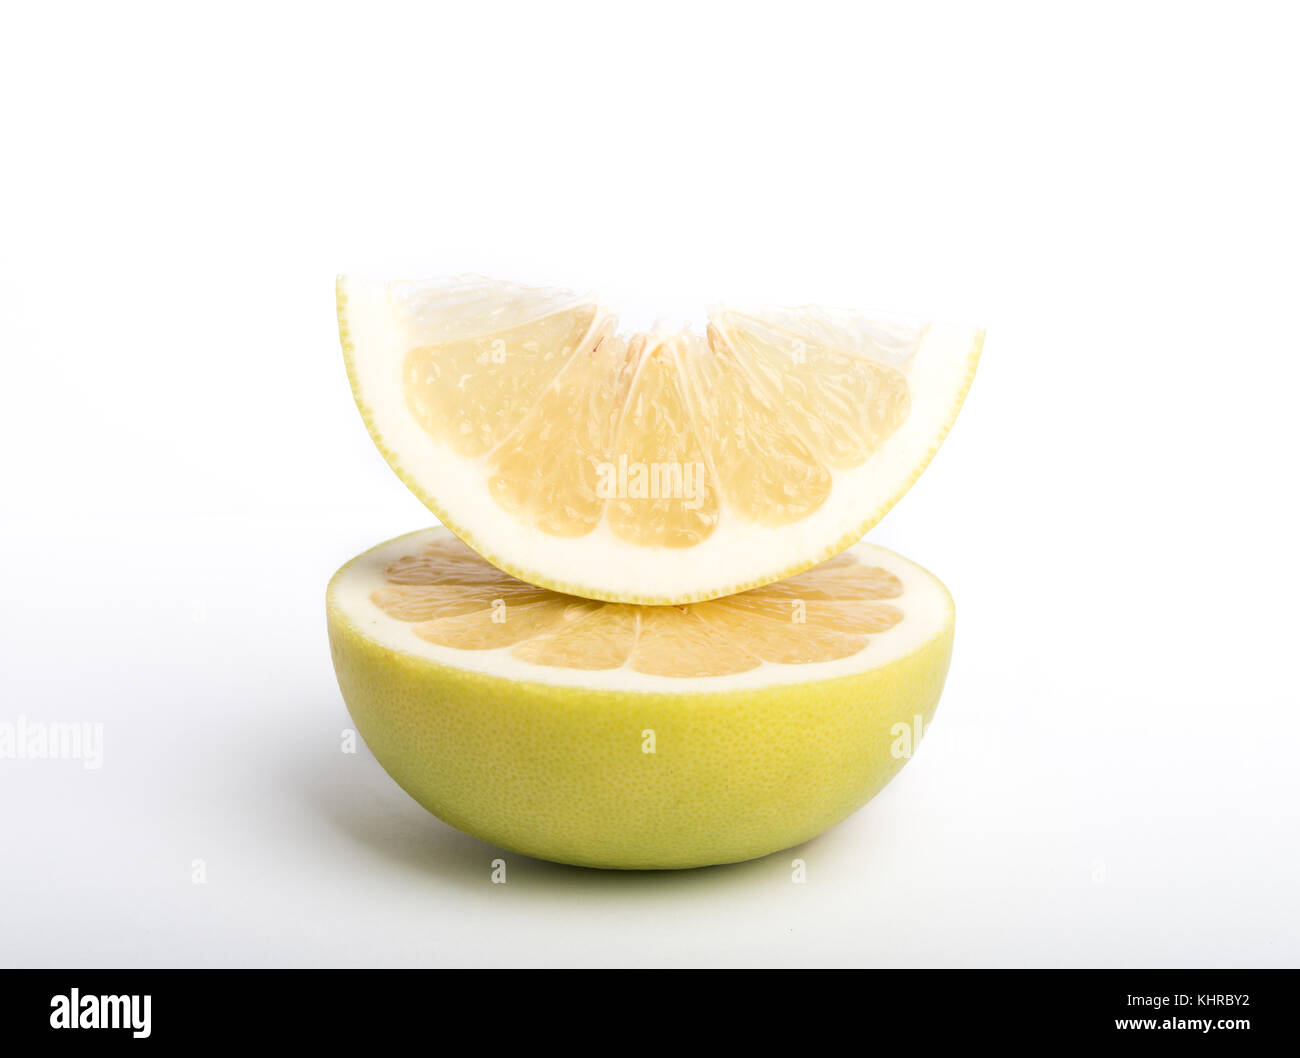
column 659, row 467
column 625, row 736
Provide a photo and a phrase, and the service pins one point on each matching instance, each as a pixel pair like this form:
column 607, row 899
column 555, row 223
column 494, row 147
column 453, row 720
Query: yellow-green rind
column 559, row 772
column 590, row 591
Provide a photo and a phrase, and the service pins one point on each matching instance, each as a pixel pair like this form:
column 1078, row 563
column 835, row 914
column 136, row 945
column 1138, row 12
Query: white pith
column 737, row 555
column 925, row 603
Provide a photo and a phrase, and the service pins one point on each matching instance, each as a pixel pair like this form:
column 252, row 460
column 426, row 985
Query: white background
column 1110, row 188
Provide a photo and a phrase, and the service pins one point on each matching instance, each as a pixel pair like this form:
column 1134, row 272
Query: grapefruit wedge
column 659, row 468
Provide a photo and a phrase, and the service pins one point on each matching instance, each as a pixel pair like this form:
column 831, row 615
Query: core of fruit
column 663, row 467
column 628, row 736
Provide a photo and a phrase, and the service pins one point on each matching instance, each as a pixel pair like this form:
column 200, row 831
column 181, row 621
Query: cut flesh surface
column 658, row 468
column 429, row 594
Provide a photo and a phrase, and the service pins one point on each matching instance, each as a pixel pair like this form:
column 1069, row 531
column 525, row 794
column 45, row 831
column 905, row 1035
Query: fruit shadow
column 366, row 808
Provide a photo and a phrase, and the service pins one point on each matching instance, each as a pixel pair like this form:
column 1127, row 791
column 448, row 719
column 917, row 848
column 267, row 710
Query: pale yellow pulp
column 764, row 414
column 455, row 599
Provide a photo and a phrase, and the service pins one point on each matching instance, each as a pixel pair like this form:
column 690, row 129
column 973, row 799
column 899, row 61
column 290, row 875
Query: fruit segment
column 601, row 639
column 841, row 577
column 845, row 406
column 548, row 471
column 677, row 641
column 446, row 561
column 470, row 392
column 782, row 639
column 500, row 625
column 455, row 599
column 663, row 494
column 426, row 602
column 766, row 471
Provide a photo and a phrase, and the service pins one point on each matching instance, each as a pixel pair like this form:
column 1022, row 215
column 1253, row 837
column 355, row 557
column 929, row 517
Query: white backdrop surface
column 1111, row 189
